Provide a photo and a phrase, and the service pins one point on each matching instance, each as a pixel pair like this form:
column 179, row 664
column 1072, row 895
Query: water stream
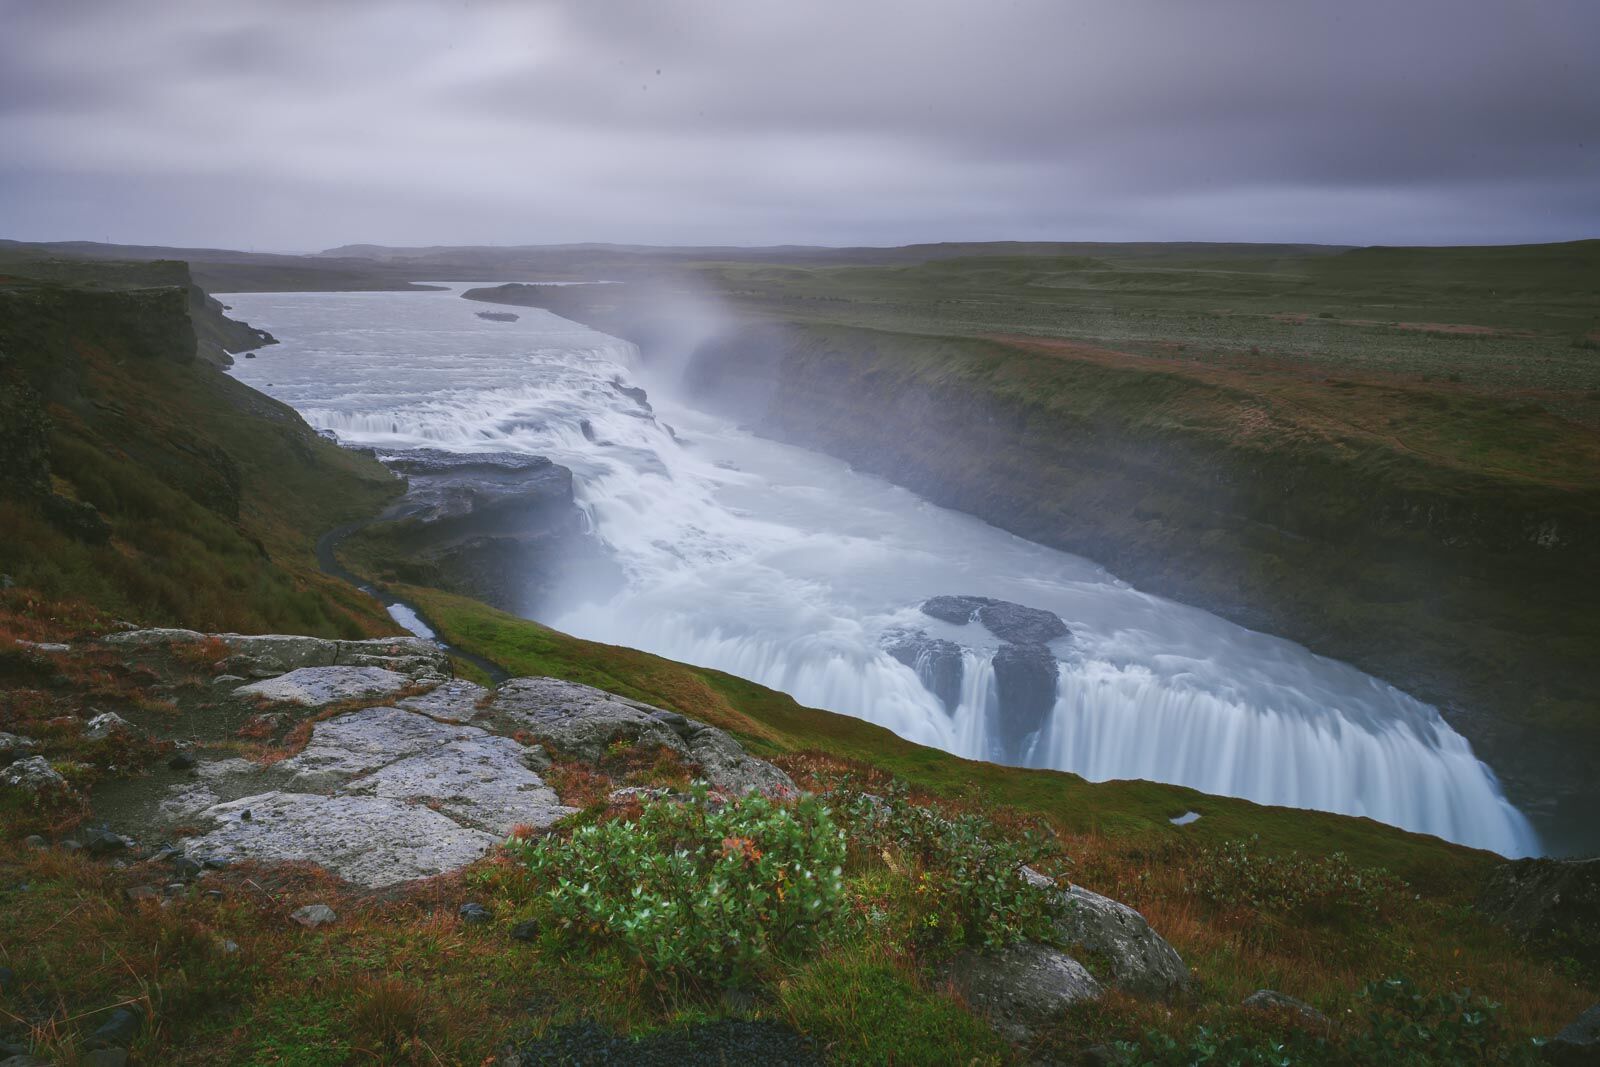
column 788, row 568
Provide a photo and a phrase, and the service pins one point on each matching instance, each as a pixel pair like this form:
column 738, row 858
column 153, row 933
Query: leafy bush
column 1404, row 1027
column 698, row 890
column 1237, row 874
column 965, row 870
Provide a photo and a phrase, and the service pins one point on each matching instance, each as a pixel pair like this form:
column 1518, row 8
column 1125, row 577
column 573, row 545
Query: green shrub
column 965, row 870
column 697, row 890
column 1238, row 875
column 1404, row 1027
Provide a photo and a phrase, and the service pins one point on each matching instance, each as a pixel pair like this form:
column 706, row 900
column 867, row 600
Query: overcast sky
column 288, row 125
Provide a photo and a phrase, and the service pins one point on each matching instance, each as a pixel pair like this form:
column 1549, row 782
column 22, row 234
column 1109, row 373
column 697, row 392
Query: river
column 788, row 568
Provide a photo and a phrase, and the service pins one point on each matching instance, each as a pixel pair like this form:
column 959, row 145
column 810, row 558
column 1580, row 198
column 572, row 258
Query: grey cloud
column 300, row 124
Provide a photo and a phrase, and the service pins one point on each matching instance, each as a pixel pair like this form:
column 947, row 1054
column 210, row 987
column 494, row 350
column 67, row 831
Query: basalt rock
column 1011, row 622
column 1025, row 681
column 490, row 525
column 939, row 663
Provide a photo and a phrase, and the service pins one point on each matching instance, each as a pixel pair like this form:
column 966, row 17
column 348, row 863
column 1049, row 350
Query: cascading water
column 786, row 567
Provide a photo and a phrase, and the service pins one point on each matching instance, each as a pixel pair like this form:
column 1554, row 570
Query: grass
column 209, row 492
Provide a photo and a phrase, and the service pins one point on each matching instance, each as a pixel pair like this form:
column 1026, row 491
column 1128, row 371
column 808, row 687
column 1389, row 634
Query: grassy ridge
column 159, row 489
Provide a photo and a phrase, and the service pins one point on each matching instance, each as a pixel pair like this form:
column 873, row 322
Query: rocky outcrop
column 1011, row 622
column 940, row 664
column 1022, row 987
column 316, row 687
column 1551, row 904
column 1140, row 960
column 1025, row 682
column 498, row 526
column 1025, row 669
column 271, row 655
column 581, row 721
column 370, row 841
column 32, row 774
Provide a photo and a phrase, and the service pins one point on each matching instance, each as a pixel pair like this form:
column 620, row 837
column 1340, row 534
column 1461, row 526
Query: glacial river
column 788, row 568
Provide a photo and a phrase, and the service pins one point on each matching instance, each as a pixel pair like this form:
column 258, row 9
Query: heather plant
column 1402, row 1026
column 1238, row 875
column 966, row 871
column 695, row 888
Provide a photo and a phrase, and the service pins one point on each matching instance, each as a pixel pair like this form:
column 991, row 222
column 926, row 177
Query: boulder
column 1272, row 1002
column 1578, row 1045
column 940, row 664
column 314, row 915
column 106, row 724
column 33, row 774
column 14, row 745
column 1549, row 903
column 371, row 841
column 1021, row 987
column 316, row 687
column 1141, row 961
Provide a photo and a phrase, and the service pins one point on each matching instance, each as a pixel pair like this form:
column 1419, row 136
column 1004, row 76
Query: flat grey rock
column 581, row 721
column 15, row 744
column 370, row 841
column 453, row 701
column 482, row 782
column 315, row 687
column 361, row 741
column 1021, row 987
column 1141, row 960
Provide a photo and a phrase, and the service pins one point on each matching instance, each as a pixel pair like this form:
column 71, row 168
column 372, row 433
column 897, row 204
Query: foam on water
column 786, row 567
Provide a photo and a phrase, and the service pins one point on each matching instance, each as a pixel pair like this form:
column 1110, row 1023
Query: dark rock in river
column 938, row 663
column 498, row 316
column 1552, row 904
column 1025, row 681
column 499, row 526
column 1016, row 623
column 955, row 609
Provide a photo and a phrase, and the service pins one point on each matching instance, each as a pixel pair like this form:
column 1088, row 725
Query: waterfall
column 790, row 569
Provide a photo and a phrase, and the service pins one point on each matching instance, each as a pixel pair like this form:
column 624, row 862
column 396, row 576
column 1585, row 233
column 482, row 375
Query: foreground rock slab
column 582, row 721
column 370, row 841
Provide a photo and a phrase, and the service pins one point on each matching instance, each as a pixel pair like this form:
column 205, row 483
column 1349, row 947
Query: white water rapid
column 787, row 567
